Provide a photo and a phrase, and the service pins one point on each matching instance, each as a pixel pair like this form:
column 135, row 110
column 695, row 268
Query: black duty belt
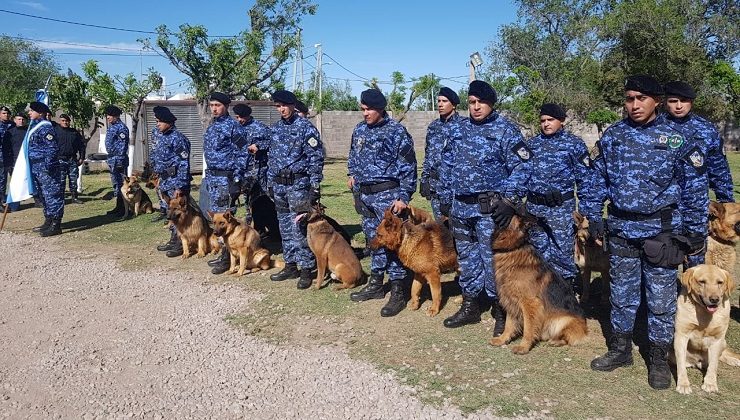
column 665, row 215
column 537, row 198
column 378, row 187
column 219, row 172
column 473, row 198
column 289, row 178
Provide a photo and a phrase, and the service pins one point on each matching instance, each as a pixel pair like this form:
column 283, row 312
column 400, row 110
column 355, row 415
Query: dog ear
column 227, row 215
column 687, row 279
column 210, row 214
column 729, row 283
column 716, row 210
column 166, row 197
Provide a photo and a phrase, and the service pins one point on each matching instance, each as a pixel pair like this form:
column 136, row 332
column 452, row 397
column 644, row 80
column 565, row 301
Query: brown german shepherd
column 243, row 243
column 134, row 198
column 590, row 256
column 332, row 251
column 427, row 249
column 192, row 227
column 538, row 303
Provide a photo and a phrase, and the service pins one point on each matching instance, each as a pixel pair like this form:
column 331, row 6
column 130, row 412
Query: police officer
column 5, row 125
column 679, row 103
column 71, row 154
column 295, row 164
column 116, row 144
column 653, row 177
column 560, row 161
column 485, row 169
column 447, row 101
column 171, row 162
column 12, row 142
column 257, row 135
column 224, row 148
column 382, row 175
column 43, row 154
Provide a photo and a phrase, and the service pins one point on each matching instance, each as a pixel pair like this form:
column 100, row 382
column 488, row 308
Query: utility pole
column 318, row 74
column 298, row 64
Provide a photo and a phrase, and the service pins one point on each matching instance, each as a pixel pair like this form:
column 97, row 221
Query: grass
column 455, row 366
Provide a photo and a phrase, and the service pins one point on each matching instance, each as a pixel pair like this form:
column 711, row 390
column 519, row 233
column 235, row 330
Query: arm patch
column 697, row 160
column 585, row 159
column 522, row 151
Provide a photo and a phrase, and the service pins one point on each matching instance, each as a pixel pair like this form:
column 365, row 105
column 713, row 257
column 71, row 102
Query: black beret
column 644, row 84
column 4, row 108
column 680, row 89
column 374, row 99
column 284, row 96
column 482, row 91
column 301, row 107
column 40, row 107
column 242, row 110
column 113, row 110
column 449, row 94
column 553, row 110
column 220, row 97
column 163, row 114
column 65, row 117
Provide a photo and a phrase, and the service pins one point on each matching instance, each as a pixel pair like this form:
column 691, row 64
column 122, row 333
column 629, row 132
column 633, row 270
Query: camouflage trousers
column 291, row 200
column 68, row 169
column 51, row 187
column 474, row 254
column 554, row 237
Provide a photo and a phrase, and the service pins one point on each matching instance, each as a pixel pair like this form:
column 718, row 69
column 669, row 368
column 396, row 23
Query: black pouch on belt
column 663, row 251
column 362, row 208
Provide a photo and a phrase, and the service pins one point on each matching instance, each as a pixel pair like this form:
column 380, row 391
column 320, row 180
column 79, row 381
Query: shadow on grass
column 89, row 222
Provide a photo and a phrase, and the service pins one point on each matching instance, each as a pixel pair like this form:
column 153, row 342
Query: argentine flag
column 21, row 182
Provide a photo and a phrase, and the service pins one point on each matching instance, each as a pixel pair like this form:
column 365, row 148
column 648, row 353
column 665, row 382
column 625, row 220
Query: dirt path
column 79, row 337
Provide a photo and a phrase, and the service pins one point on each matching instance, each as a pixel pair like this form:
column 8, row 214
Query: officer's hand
column 350, row 182
column 314, row 194
column 252, row 148
column 596, row 229
column 425, row 189
column 397, row 206
column 502, row 213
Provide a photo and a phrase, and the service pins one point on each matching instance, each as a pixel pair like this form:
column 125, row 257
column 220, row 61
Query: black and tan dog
column 135, row 199
column 590, row 256
column 192, row 227
column 243, row 243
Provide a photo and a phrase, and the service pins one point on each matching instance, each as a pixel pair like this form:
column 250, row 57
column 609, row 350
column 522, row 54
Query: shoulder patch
column 585, row 159
column 696, row 159
column 49, row 137
column 522, row 151
column 313, row 142
column 122, row 135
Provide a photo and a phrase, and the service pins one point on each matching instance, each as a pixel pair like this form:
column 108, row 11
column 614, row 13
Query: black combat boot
column 619, row 354
column 397, row 301
column 118, row 210
column 55, row 228
column 44, row 226
column 499, row 315
column 176, row 249
column 306, row 278
column 659, row 374
column 290, row 271
column 171, row 243
column 372, row 290
column 75, row 198
column 225, row 256
column 159, row 216
column 469, row 313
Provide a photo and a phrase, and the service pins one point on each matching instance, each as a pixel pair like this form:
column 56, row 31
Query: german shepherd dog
column 243, row 243
column 332, row 251
column 427, row 249
column 538, row 303
column 590, row 256
column 192, row 227
column 134, row 198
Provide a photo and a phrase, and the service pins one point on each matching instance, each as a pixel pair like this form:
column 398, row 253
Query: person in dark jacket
column 71, row 154
column 12, row 141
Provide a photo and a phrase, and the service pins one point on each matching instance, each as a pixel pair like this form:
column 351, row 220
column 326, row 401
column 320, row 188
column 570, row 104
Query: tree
column 335, row 96
column 24, row 68
column 244, row 65
column 71, row 94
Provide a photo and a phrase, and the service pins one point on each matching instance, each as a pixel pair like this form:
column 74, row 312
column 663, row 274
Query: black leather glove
column 502, row 213
column 445, row 208
column 596, row 229
column 425, row 189
column 314, row 194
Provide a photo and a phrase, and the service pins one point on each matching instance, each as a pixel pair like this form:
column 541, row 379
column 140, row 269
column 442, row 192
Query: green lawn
column 443, row 365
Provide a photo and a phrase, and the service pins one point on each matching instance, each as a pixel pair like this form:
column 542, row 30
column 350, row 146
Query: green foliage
column 335, row 96
column 602, row 118
column 70, row 94
column 24, row 68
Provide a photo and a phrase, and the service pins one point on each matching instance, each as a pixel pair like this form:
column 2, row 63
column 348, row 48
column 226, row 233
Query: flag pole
column 5, row 214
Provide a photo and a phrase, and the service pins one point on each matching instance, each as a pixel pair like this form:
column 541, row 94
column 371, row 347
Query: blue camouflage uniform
column 43, row 154
column 481, row 158
column 116, row 144
column 171, row 161
column 382, row 162
column 224, row 148
column 559, row 162
column 718, row 173
column 254, row 166
column 654, row 179
column 295, row 165
column 436, row 140
column 4, row 167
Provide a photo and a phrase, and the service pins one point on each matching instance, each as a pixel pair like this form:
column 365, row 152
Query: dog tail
column 730, row 357
column 277, row 263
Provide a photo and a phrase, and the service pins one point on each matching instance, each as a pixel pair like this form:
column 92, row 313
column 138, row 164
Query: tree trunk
column 204, row 113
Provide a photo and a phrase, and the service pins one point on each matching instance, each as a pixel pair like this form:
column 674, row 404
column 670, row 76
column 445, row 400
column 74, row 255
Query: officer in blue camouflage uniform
column 171, row 162
column 382, row 175
column 560, row 161
column 447, row 101
column 224, row 148
column 257, row 135
column 116, row 144
column 43, row 154
column 295, row 164
column 485, row 166
column 679, row 102
column 5, row 125
column 71, row 154
column 653, row 177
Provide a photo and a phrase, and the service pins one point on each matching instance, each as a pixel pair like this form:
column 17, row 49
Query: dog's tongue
column 712, row 309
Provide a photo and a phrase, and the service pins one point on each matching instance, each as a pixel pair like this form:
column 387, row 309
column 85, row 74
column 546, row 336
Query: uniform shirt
column 116, row 140
column 70, row 143
column 42, row 145
column 12, row 144
column 383, row 152
column 255, row 132
column 4, row 154
column 437, row 134
column 223, row 144
column 171, row 156
column 489, row 155
column 705, row 134
column 295, row 146
column 644, row 168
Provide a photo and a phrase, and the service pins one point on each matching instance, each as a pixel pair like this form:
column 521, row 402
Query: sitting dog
column 332, row 251
column 590, row 256
column 702, row 319
column 724, row 234
column 538, row 302
column 243, row 243
column 427, row 249
column 134, row 198
column 192, row 227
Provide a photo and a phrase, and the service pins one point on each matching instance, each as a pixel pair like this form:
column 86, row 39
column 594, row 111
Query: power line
column 75, row 44
column 365, row 79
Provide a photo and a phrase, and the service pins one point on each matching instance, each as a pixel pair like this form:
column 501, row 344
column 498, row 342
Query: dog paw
column 432, row 312
column 497, row 341
column 520, row 349
column 200, row 255
column 683, row 389
column 413, row 305
column 709, row 387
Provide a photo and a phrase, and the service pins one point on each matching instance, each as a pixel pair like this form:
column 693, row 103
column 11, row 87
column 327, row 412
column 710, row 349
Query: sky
column 360, row 39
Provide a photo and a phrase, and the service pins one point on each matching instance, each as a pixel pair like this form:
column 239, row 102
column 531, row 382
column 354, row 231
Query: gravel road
column 79, row 337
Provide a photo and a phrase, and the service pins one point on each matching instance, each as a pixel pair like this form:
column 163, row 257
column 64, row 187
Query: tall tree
column 24, row 68
column 71, row 95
